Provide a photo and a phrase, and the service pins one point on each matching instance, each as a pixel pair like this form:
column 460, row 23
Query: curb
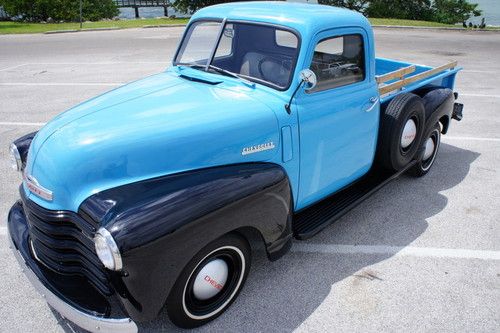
column 183, row 25
column 82, row 30
column 163, row 26
column 101, row 29
column 58, row 32
column 412, row 27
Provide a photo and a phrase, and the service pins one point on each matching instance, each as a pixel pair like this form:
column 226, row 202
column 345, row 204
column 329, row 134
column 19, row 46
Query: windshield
column 260, row 53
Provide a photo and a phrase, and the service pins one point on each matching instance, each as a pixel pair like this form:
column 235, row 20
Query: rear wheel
column 430, row 147
column 401, row 130
column 210, row 282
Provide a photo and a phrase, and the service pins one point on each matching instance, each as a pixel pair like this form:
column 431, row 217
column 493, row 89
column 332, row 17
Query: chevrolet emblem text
column 258, row 148
column 37, row 189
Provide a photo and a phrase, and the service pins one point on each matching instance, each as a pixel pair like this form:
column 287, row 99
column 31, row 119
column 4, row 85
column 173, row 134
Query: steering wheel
column 279, row 63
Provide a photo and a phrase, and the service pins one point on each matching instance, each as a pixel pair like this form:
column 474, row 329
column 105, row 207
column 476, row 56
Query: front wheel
column 210, row 282
column 430, row 147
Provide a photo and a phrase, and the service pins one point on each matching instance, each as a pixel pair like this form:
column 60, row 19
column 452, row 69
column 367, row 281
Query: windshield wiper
column 235, row 75
column 220, row 70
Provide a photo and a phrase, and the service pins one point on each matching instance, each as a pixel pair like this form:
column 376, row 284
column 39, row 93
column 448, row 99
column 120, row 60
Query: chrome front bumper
column 85, row 321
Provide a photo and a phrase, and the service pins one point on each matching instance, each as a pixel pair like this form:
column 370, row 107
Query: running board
column 309, row 221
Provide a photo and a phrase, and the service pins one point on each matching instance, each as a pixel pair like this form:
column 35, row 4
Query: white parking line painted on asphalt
column 161, row 37
column 7, row 123
column 104, row 63
column 476, row 71
column 99, row 63
column 11, row 67
column 113, row 84
column 396, row 251
column 479, row 95
column 468, row 138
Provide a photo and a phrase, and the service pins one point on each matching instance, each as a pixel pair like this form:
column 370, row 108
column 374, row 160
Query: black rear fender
column 438, row 105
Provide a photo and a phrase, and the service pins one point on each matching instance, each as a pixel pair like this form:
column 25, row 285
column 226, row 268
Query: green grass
column 385, row 21
column 412, row 23
column 31, row 28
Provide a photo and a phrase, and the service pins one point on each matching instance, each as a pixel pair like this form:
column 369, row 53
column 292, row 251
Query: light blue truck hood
column 157, row 126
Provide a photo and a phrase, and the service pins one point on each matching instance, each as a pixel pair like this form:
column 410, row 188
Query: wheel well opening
column 254, row 238
column 445, row 122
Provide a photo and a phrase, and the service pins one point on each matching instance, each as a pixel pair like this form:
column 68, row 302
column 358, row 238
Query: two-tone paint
column 171, row 162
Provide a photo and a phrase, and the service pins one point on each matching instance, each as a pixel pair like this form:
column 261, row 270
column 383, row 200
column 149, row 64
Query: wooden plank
column 396, row 74
column 399, row 84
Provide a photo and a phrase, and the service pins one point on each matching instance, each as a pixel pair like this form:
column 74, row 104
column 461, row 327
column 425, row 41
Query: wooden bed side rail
column 384, row 89
column 395, row 74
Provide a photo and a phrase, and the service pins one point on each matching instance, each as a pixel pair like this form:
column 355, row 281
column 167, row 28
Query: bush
column 401, row 9
column 443, row 11
column 190, row 6
column 357, row 5
column 60, row 10
column 454, row 11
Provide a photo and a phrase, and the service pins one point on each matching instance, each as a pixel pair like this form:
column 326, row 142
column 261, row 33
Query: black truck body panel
column 161, row 223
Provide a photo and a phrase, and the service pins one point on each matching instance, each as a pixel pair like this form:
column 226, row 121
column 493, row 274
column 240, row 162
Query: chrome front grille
column 63, row 242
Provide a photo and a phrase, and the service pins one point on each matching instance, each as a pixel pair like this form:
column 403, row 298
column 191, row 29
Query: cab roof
column 303, row 17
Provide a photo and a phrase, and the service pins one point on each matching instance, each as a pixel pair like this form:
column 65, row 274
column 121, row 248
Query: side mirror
column 308, row 76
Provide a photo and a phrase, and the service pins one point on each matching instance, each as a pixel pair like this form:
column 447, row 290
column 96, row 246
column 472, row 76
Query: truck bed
column 395, row 77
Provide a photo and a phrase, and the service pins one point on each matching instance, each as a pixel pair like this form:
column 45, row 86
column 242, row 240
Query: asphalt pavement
column 422, row 255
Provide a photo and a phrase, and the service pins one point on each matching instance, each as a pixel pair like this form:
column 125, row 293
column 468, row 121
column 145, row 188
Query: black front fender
column 160, row 224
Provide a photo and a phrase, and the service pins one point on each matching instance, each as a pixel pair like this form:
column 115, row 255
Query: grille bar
column 63, row 242
column 60, row 233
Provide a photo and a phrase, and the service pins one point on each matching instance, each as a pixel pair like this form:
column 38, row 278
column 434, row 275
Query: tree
column 190, row 6
column 60, row 10
column 454, row 11
column 357, row 5
column 444, row 11
column 401, row 9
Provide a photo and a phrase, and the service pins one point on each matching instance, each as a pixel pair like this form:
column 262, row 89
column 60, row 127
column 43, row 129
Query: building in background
column 3, row 14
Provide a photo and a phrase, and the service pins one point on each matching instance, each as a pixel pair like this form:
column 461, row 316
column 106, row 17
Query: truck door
column 338, row 119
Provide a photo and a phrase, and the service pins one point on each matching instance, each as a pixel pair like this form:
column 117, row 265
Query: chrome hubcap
column 211, row 279
column 429, row 148
column 409, row 133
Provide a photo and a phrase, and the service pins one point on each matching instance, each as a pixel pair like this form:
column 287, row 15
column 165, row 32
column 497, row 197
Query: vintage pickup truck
column 273, row 121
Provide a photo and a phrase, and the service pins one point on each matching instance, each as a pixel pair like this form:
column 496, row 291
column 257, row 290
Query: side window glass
column 225, row 47
column 199, row 35
column 286, row 39
column 338, row 61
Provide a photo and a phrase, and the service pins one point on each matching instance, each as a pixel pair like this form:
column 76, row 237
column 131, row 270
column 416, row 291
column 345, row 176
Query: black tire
column 424, row 164
column 184, row 308
column 391, row 154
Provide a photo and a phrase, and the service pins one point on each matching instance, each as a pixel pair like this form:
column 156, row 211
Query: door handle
column 373, row 104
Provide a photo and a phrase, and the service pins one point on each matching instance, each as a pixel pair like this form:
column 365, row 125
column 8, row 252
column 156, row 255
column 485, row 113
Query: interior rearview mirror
column 229, row 32
column 308, row 76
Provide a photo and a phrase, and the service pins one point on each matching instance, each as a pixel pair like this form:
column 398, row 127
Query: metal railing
column 136, row 4
column 142, row 3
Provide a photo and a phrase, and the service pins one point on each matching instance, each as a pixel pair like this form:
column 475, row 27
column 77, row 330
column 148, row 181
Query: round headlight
column 15, row 158
column 107, row 251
